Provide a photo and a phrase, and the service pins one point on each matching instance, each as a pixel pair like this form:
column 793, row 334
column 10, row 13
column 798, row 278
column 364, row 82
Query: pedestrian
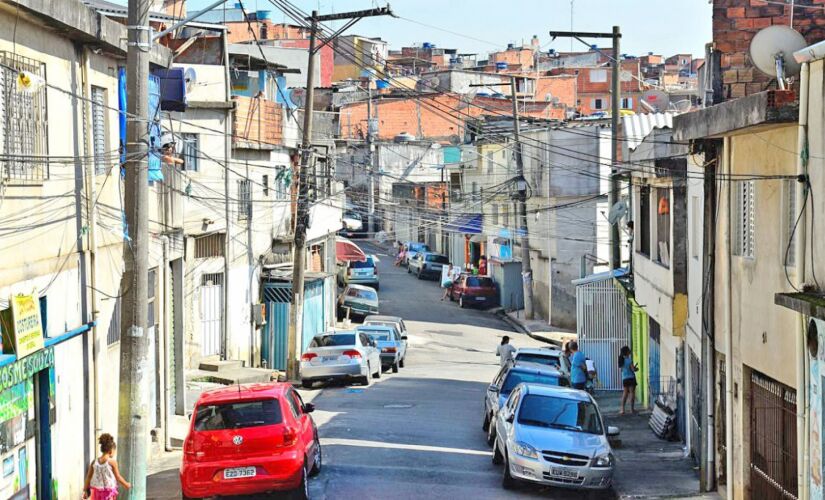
column 104, row 474
column 447, row 283
column 505, row 351
column 482, row 266
column 400, row 257
column 628, row 378
column 578, row 366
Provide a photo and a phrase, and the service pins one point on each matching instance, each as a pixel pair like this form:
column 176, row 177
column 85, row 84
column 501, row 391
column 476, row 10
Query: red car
column 474, row 290
column 250, row 439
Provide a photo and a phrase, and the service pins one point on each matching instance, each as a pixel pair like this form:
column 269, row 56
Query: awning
column 467, row 224
column 347, row 250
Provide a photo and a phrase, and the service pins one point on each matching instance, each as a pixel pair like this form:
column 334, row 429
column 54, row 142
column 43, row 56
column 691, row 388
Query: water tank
column 510, row 46
column 594, row 47
column 427, row 45
column 238, row 5
column 551, row 51
column 263, row 14
column 483, row 94
column 500, row 66
column 381, row 84
column 404, row 137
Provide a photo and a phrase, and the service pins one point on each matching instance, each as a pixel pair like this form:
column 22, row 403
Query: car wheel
column 420, row 276
column 395, row 367
column 365, row 380
column 498, row 458
column 318, row 459
column 377, row 286
column 408, row 270
column 485, row 426
column 302, row 491
column 377, row 373
column 461, row 301
column 306, row 384
column 507, row 481
column 401, row 363
column 491, row 433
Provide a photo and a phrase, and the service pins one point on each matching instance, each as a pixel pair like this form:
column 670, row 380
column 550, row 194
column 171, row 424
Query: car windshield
column 369, row 263
column 362, row 294
column 438, row 259
column 474, row 281
column 418, row 247
column 333, row 340
column 237, row 415
column 541, row 359
column 515, row 378
column 560, row 413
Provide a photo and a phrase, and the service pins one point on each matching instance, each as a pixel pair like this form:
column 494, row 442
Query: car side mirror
column 309, row 407
column 403, row 337
column 493, row 388
column 510, row 418
column 612, row 431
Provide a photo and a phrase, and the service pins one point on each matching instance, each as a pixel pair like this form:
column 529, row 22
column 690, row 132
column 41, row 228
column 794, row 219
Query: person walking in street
column 400, row 257
column 578, row 366
column 448, row 282
column 482, row 266
column 628, row 379
column 104, row 474
column 505, row 351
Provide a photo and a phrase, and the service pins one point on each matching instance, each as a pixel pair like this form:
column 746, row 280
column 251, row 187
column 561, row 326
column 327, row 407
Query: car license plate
column 480, row 298
column 238, row 472
column 329, row 358
column 569, row 473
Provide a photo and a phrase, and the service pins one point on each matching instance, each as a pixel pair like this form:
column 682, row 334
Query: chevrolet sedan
column 344, row 355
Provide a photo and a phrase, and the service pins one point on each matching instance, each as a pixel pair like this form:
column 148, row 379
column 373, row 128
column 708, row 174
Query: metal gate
column 278, row 297
column 314, row 320
column 603, row 328
column 721, row 426
column 653, row 362
column 211, row 313
column 773, row 463
column 695, row 406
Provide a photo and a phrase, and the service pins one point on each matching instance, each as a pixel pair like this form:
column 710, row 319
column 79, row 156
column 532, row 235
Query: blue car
column 390, row 342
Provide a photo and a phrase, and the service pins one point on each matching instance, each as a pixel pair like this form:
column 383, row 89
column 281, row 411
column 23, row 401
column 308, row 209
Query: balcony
column 258, row 124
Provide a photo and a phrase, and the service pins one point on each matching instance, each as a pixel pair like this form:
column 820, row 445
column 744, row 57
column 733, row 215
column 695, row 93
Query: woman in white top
column 103, row 475
column 505, row 351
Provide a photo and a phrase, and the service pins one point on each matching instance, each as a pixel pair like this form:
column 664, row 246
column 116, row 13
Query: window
column 627, row 103
column 238, row 415
column 643, row 237
column 190, row 147
column 598, row 76
column 663, row 226
column 490, row 162
column 695, row 227
column 597, row 103
column 23, row 118
column 244, row 200
column 505, row 215
column 494, row 214
column 544, row 411
column 113, row 334
column 475, row 190
column 99, row 129
column 264, row 32
column 151, row 294
column 265, row 182
column 744, row 221
column 293, row 405
column 789, row 241
column 333, row 340
column 281, row 187
column 210, row 245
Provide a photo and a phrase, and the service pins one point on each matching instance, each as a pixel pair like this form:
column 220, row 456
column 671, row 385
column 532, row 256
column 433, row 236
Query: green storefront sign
column 23, row 369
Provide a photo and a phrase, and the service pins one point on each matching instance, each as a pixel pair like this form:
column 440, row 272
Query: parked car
column 474, row 290
column 426, row 264
column 390, row 343
column 354, row 225
column 387, row 321
column 359, row 300
column 361, row 273
column 553, row 436
column 507, row 379
column 341, row 355
column 413, row 248
column 543, row 356
column 250, row 439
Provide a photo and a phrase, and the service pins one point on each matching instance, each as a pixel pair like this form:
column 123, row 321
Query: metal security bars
column 745, row 221
column 23, row 122
column 773, row 464
column 113, row 334
column 99, row 129
column 210, row 245
column 244, row 200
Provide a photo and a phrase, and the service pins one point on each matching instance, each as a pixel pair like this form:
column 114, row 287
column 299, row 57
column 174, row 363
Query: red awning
column 347, row 250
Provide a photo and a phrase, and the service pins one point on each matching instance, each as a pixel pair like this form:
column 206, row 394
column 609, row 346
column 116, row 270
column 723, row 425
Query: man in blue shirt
column 578, row 367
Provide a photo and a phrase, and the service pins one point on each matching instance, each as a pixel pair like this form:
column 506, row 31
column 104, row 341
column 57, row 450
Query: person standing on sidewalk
column 104, row 474
column 505, row 351
column 578, row 367
column 448, row 282
column 628, row 378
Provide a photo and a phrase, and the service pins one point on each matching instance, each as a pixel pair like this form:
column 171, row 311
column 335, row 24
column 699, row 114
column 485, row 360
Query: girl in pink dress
column 103, row 476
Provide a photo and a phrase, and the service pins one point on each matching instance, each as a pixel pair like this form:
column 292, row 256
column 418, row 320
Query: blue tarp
column 467, row 224
column 155, row 173
column 452, row 154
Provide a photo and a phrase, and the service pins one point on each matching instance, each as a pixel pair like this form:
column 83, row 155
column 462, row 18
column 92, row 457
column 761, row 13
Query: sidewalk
column 647, row 467
column 536, row 328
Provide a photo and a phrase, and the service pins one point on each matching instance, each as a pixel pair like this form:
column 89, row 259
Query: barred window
column 23, row 118
column 189, row 151
column 99, row 129
column 791, row 211
column 113, row 335
column 244, row 199
column 210, row 245
column 745, row 219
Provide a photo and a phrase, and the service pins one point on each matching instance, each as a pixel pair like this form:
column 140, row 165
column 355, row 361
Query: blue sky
column 662, row 26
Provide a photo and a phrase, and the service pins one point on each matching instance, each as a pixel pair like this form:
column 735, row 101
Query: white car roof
column 540, row 351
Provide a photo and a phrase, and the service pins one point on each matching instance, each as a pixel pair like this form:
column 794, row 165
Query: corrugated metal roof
column 607, row 275
column 637, row 127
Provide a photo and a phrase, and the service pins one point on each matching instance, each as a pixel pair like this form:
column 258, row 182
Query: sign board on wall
column 26, row 333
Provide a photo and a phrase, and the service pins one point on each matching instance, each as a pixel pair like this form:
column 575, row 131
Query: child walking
column 103, row 475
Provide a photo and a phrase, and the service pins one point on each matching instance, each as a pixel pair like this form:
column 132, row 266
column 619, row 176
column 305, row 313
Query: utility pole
column 370, row 169
column 521, row 184
column 134, row 346
column 616, row 99
column 302, row 206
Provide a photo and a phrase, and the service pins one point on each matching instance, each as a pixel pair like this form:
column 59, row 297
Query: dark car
column 426, row 264
column 474, row 290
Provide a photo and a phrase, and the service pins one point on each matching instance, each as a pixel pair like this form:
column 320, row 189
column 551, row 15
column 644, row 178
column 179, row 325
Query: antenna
column 191, row 78
column 656, row 100
column 617, row 211
column 772, row 51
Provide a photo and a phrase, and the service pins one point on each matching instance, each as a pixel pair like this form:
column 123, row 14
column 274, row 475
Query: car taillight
column 290, row 436
column 388, row 349
column 308, row 356
column 189, row 450
column 352, row 354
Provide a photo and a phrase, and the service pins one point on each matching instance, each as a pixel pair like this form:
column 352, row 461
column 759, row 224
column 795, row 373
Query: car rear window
column 333, row 340
column 237, row 415
column 438, row 259
column 362, row 294
column 362, row 265
column 474, row 281
column 515, row 378
column 418, row 247
column 376, row 336
column 538, row 358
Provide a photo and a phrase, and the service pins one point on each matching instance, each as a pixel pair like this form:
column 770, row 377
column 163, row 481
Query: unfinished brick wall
column 258, row 123
column 735, row 22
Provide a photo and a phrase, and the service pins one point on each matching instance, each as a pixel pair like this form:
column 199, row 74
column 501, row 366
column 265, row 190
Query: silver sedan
column 343, row 355
column 553, row 436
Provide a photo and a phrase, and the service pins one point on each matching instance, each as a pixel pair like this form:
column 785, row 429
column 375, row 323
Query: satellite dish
column 682, row 106
column 467, row 99
column 429, row 84
column 191, row 78
column 657, row 100
column 298, row 96
column 618, row 211
column 772, row 52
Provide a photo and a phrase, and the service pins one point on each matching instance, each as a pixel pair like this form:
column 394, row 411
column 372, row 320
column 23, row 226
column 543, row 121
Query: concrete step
column 219, row 366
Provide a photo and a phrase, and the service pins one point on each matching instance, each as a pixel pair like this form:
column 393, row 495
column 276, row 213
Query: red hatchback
column 474, row 290
column 250, row 439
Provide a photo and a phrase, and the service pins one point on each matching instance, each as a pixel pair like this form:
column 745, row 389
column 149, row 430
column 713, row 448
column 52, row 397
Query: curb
column 520, row 328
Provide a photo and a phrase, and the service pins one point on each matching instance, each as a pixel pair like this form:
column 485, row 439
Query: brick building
column 593, row 86
column 735, row 22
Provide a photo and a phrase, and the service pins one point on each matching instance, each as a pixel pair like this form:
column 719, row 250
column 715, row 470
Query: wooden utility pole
column 133, row 414
column 302, row 205
column 616, row 101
